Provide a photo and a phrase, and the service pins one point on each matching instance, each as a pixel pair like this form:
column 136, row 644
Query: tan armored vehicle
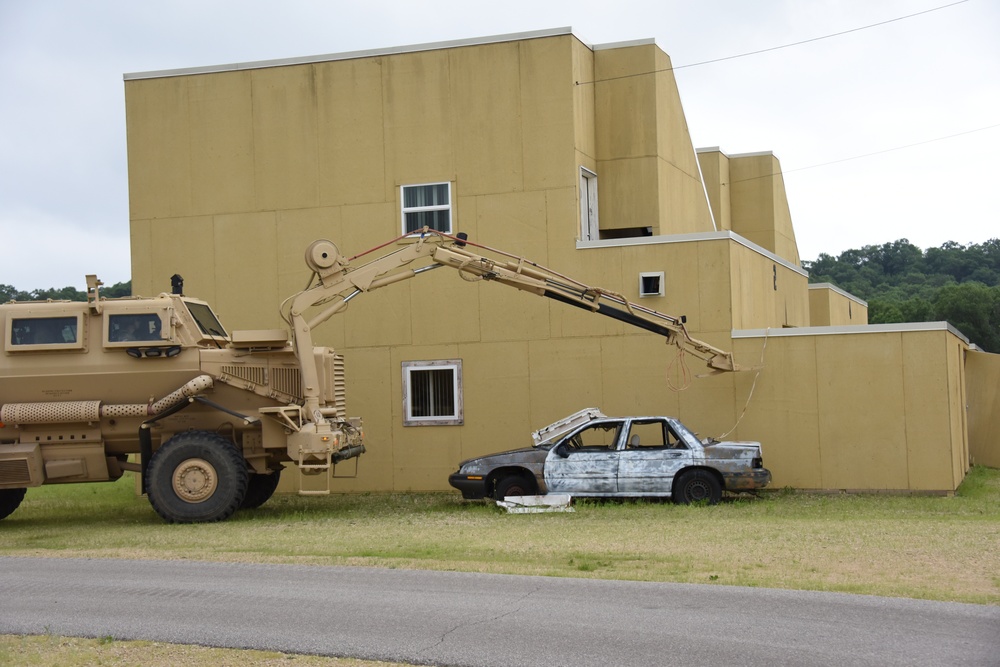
column 209, row 417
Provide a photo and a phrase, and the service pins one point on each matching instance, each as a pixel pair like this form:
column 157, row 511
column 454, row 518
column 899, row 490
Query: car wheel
column 196, row 476
column 260, row 488
column 10, row 499
column 697, row 486
column 515, row 485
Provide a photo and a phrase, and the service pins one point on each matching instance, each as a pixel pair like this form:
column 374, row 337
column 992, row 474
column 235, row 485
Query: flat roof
column 843, row 293
column 849, row 329
column 688, row 238
column 349, row 55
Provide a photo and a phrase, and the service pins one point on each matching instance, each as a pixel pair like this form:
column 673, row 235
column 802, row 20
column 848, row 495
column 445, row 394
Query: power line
column 775, row 48
column 858, row 157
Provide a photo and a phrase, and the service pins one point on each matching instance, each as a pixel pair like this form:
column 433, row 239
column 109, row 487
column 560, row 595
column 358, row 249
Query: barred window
column 432, row 393
column 427, row 205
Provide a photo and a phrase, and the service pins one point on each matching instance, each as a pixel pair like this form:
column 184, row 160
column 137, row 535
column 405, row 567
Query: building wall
column 983, row 390
column 233, row 173
column 649, row 175
column 747, row 196
column 830, row 306
column 812, row 407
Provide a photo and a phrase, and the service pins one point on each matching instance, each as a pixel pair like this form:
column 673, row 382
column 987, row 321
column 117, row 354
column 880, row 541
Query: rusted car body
column 589, row 454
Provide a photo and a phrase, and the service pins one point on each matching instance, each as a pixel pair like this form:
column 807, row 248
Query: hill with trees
column 956, row 283
column 11, row 293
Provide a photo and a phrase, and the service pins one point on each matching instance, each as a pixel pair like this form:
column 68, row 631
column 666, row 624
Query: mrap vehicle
column 209, row 418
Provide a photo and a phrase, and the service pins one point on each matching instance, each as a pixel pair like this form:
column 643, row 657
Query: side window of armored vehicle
column 43, row 333
column 206, row 319
column 135, row 327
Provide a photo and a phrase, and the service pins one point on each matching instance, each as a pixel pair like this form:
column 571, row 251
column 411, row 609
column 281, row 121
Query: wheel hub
column 195, row 480
column 698, row 491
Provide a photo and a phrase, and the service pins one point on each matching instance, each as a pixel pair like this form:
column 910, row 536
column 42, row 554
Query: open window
column 432, row 393
column 589, row 226
column 648, row 434
column 651, row 283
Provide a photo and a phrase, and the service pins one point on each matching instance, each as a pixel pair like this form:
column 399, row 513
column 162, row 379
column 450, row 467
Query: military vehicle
column 209, row 418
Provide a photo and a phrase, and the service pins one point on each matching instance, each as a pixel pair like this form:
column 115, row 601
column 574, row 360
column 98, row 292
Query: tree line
column 956, row 283
column 11, row 293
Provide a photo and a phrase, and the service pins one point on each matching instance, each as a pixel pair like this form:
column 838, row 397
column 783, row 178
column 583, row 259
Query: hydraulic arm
column 338, row 283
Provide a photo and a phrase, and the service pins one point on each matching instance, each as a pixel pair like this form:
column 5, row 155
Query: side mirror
column 561, row 450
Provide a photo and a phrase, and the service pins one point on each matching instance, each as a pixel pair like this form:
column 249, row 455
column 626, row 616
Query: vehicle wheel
column 10, row 500
column 260, row 488
column 196, row 476
column 697, row 486
column 515, row 485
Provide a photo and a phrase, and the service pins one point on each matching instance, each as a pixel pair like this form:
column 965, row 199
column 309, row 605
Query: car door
column 585, row 462
column 652, row 455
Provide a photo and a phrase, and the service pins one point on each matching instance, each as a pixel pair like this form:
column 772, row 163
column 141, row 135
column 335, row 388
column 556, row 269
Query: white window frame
column 404, row 210
column 590, row 229
column 457, row 416
column 642, row 283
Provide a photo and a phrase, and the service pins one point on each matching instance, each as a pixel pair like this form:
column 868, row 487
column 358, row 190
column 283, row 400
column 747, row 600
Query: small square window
column 651, row 283
column 432, row 393
column 427, row 205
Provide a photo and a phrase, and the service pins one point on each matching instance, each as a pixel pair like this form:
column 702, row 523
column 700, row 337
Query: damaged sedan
column 589, row 454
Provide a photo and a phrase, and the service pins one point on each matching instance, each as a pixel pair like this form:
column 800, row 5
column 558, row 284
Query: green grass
column 939, row 548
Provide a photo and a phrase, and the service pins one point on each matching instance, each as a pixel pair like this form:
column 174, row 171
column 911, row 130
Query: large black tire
column 196, row 477
column 697, row 486
column 260, row 488
column 10, row 500
column 514, row 485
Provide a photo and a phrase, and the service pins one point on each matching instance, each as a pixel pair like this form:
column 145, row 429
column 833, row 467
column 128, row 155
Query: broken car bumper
column 756, row 478
column 473, row 487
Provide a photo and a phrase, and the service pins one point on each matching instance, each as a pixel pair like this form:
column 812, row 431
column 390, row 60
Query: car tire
column 10, row 500
column 514, row 485
column 260, row 488
column 196, row 477
column 697, row 486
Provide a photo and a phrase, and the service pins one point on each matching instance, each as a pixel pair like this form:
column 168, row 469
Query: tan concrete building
column 575, row 156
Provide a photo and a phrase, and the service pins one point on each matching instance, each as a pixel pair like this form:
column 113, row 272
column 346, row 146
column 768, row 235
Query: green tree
column 905, row 284
column 974, row 309
column 11, row 293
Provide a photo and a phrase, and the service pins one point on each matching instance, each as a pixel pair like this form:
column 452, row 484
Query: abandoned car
column 591, row 454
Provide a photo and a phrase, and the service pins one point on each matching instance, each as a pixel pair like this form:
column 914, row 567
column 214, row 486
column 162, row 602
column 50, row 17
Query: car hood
column 732, row 450
column 522, row 456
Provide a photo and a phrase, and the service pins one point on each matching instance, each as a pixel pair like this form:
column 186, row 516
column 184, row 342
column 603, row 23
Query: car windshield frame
column 683, row 432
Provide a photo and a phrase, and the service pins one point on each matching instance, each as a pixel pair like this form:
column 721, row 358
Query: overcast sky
column 892, row 92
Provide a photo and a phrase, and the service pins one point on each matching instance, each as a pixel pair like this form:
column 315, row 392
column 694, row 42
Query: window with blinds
column 427, row 205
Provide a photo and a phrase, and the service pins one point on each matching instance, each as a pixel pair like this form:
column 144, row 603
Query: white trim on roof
column 834, row 288
column 687, row 238
column 622, row 45
column 350, row 55
column 849, row 329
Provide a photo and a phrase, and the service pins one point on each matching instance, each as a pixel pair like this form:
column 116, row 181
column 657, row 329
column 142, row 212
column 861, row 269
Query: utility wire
column 775, row 48
column 858, row 157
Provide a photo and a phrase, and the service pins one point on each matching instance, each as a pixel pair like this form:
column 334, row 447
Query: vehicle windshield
column 682, row 432
column 206, row 319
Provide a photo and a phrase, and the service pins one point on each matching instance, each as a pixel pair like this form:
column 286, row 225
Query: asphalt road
column 452, row 618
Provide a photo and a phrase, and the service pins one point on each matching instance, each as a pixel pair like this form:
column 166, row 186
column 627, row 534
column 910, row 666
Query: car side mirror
column 562, row 450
